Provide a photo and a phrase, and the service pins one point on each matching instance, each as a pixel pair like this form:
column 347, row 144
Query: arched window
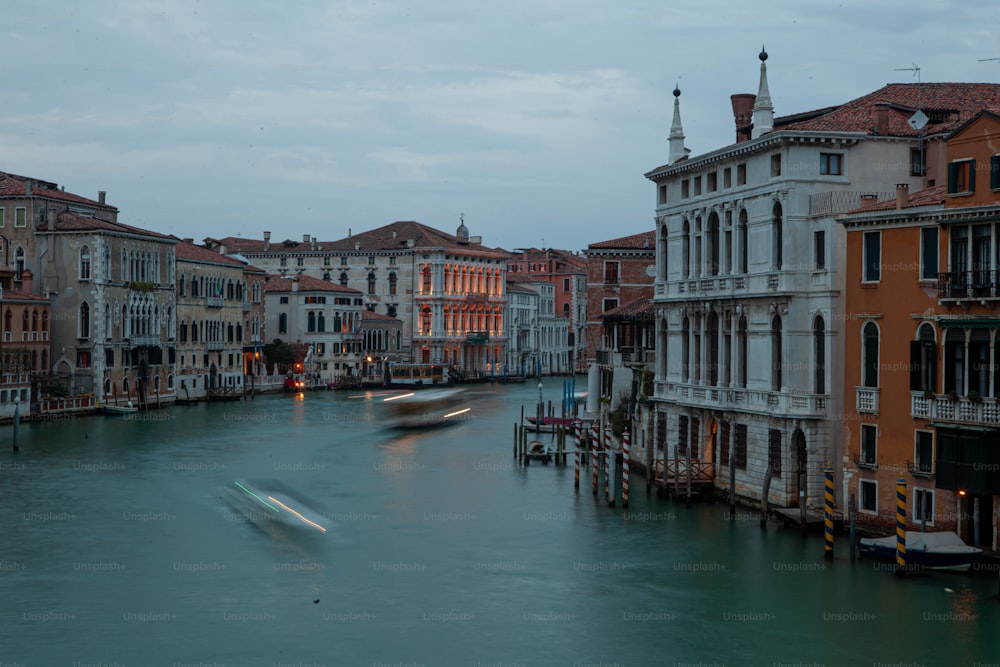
column 125, row 386
column 343, row 278
column 311, row 321
column 392, row 283
column 923, row 359
column 685, row 350
column 686, row 250
column 84, row 320
column 371, row 282
column 713, row 244
column 776, row 376
column 8, row 323
column 18, row 262
column 180, row 285
column 321, row 322
column 696, row 248
column 819, row 355
column 869, row 355
column 776, row 235
column 283, row 323
column 85, row 263
column 743, row 234
column 712, row 337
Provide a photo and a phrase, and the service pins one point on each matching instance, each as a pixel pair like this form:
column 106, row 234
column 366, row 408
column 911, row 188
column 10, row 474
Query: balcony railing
column 215, row 345
column 215, row 301
column 945, row 408
column 147, row 340
column 866, row 399
column 984, row 284
column 782, row 403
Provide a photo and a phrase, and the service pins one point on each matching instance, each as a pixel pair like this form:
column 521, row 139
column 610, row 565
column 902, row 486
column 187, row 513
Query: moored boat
column 942, row 550
column 538, row 451
column 126, row 409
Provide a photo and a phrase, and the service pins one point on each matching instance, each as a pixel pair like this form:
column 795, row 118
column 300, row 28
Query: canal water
column 121, row 546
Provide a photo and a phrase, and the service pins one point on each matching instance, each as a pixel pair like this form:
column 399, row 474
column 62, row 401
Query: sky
column 534, row 120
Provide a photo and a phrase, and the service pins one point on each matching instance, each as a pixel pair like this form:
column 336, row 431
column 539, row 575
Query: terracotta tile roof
column 17, row 295
column 641, row 306
column 521, row 287
column 389, row 237
column 75, row 222
column 12, row 185
column 926, row 197
column 306, row 284
column 377, row 317
column 641, row 241
column 197, row 253
column 947, row 104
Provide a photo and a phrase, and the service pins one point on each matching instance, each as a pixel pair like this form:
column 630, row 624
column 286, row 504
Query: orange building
column 922, row 346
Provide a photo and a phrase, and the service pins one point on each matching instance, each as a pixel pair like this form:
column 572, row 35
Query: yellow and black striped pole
column 828, row 512
column 900, row 526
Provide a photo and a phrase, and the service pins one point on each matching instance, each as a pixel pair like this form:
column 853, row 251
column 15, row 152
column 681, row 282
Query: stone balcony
column 741, row 399
column 958, row 409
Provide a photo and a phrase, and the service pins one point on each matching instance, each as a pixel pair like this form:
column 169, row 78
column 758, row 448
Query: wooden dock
column 674, row 480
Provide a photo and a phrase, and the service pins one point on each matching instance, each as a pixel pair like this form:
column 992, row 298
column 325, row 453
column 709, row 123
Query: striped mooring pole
column 828, row 513
column 625, row 445
column 578, row 424
column 595, row 450
column 608, row 453
column 900, row 526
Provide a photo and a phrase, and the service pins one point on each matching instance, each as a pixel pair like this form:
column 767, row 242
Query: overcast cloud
column 537, row 119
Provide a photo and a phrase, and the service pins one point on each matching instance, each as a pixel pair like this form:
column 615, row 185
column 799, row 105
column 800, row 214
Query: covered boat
column 942, row 550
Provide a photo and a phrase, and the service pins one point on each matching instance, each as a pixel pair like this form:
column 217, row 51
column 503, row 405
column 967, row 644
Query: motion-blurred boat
column 270, row 500
column 426, row 408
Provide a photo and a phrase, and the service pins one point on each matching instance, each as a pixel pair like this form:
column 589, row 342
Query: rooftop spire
column 676, row 131
column 763, row 110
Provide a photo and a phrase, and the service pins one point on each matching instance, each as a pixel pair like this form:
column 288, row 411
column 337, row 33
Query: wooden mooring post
column 763, row 496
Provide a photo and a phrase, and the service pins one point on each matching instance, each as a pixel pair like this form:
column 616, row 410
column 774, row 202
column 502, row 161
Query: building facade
column 211, row 293
column 748, row 323
column 924, row 270
column 324, row 318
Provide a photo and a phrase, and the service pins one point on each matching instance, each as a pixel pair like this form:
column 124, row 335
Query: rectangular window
column 371, row 260
column 392, row 260
column 685, row 189
column 343, row 261
column 868, row 492
column 3, row 222
column 961, row 177
column 929, row 253
column 918, row 162
column 994, row 177
column 663, row 194
column 724, row 443
column 869, row 445
column 683, row 432
column 282, row 299
column 300, row 261
column 20, row 217
column 727, row 177
column 697, row 185
column 611, row 273
column 774, row 451
column 712, row 182
column 831, row 164
column 609, row 304
column 923, row 506
column 741, row 174
column 872, row 257
column 566, row 284
column 326, row 261
column 923, row 452
column 740, row 447
column 819, row 247
column 283, row 261
column 776, row 165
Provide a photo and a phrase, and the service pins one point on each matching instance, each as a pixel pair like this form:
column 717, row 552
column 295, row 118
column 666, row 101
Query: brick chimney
column 27, row 281
column 902, row 195
column 743, row 114
column 882, row 121
column 868, row 200
column 267, row 240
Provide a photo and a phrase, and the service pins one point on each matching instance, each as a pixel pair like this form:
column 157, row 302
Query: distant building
column 323, row 317
column 568, row 274
column 448, row 290
column 619, row 271
column 211, row 292
column 24, row 345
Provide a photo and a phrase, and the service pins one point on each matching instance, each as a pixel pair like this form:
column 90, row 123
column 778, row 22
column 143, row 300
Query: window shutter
column 952, row 168
column 916, row 348
column 972, row 176
column 995, row 172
